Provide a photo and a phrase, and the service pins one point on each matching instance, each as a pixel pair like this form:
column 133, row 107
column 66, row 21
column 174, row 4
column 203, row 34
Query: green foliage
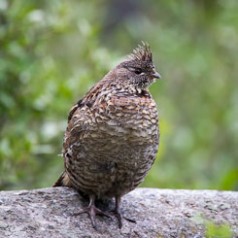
column 216, row 231
column 213, row 230
column 52, row 52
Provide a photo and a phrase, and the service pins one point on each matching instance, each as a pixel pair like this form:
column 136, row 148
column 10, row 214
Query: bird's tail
column 63, row 180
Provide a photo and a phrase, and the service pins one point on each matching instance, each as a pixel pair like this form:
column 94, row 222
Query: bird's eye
column 138, row 71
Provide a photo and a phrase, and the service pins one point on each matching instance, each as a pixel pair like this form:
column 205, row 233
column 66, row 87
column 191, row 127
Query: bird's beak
column 156, row 75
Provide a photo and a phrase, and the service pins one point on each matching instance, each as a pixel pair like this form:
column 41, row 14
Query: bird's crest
column 142, row 53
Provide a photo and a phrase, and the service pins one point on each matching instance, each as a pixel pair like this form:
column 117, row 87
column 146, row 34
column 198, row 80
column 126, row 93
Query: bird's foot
column 92, row 211
column 119, row 217
column 118, row 214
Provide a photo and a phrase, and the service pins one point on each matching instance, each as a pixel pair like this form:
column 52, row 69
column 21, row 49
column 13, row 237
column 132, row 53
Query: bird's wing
column 80, row 118
column 74, row 108
column 77, row 120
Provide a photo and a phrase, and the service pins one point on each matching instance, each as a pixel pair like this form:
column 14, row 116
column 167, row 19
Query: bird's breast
column 130, row 117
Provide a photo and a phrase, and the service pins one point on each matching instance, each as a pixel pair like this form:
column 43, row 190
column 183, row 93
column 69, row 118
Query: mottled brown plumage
column 112, row 136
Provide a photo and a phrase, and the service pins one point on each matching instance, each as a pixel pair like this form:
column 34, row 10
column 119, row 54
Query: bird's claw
column 92, row 211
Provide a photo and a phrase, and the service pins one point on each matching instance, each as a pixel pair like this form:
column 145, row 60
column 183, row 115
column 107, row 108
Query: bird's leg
column 118, row 212
column 92, row 211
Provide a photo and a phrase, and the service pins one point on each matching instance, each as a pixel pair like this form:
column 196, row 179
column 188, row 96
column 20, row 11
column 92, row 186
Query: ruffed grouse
column 112, row 136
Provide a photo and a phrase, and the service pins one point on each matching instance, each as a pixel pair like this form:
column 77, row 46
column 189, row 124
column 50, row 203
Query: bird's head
column 138, row 70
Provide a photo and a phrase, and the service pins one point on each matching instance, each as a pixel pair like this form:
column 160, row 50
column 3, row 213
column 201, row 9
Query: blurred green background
column 52, row 52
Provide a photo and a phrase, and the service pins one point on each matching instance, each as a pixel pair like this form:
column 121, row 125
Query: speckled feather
column 112, row 136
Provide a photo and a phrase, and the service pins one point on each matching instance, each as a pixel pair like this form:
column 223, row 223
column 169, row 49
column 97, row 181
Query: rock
column 159, row 213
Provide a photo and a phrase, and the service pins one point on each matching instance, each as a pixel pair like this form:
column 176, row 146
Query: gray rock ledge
column 159, row 213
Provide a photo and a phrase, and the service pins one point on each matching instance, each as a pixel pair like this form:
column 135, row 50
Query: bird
column 112, row 136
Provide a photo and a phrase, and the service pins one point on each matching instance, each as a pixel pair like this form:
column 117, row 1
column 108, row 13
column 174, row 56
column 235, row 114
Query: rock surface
column 159, row 213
